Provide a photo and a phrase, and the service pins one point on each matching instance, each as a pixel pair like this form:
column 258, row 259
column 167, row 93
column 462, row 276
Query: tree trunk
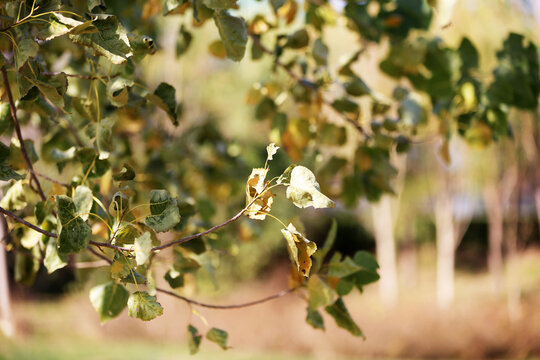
column 6, row 322
column 444, row 222
column 495, row 217
column 386, row 249
column 512, row 264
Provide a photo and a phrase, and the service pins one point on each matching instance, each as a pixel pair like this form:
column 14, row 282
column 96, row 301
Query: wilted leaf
column 75, row 233
column 144, row 306
column 304, row 190
column 118, row 91
column 343, row 319
column 233, row 33
column 218, row 336
column 299, row 248
column 255, row 187
column 143, row 248
column 109, row 300
column 271, row 150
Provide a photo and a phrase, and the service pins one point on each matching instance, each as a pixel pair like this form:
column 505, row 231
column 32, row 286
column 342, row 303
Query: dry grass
column 476, row 327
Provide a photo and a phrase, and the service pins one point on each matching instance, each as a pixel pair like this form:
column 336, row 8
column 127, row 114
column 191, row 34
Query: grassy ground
column 478, row 326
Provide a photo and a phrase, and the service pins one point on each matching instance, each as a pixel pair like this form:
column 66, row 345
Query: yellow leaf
column 300, row 249
column 254, row 188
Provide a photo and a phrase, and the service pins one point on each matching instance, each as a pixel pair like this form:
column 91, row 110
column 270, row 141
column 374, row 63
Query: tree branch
column 26, row 223
column 194, row 236
column 305, row 83
column 79, row 76
column 19, row 134
column 227, row 307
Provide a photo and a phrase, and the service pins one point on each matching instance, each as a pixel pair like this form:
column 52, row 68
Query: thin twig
column 227, row 307
column 51, row 179
column 213, row 228
column 305, row 83
column 101, row 256
column 26, row 223
column 80, row 76
column 107, row 245
column 19, row 134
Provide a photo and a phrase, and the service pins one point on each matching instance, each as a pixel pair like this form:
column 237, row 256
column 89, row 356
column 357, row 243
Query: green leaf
column 219, row 4
column 83, row 199
column 104, row 137
column 7, row 173
column 170, row 6
column 218, row 336
column 357, row 87
column 320, row 293
column 314, row 318
column 120, row 268
column 144, row 306
column 328, row 243
column 343, row 268
column 118, row 91
column 320, row 52
column 53, row 260
column 194, row 339
column 18, row 196
column 183, row 41
column 164, row 97
column 298, row 39
column 127, row 173
column 53, row 87
column 174, row 278
column 143, row 248
column 304, row 190
column 141, row 45
column 6, row 121
column 27, row 265
column 26, row 48
column 366, row 260
column 343, row 319
column 233, row 33
column 75, row 233
column 126, row 235
column 59, row 25
column 109, row 300
column 110, row 39
column 164, row 211
column 184, row 264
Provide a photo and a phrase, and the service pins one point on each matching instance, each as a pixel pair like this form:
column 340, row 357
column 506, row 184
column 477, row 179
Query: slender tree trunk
column 6, row 322
column 386, row 249
column 444, row 222
column 512, row 265
column 495, row 217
